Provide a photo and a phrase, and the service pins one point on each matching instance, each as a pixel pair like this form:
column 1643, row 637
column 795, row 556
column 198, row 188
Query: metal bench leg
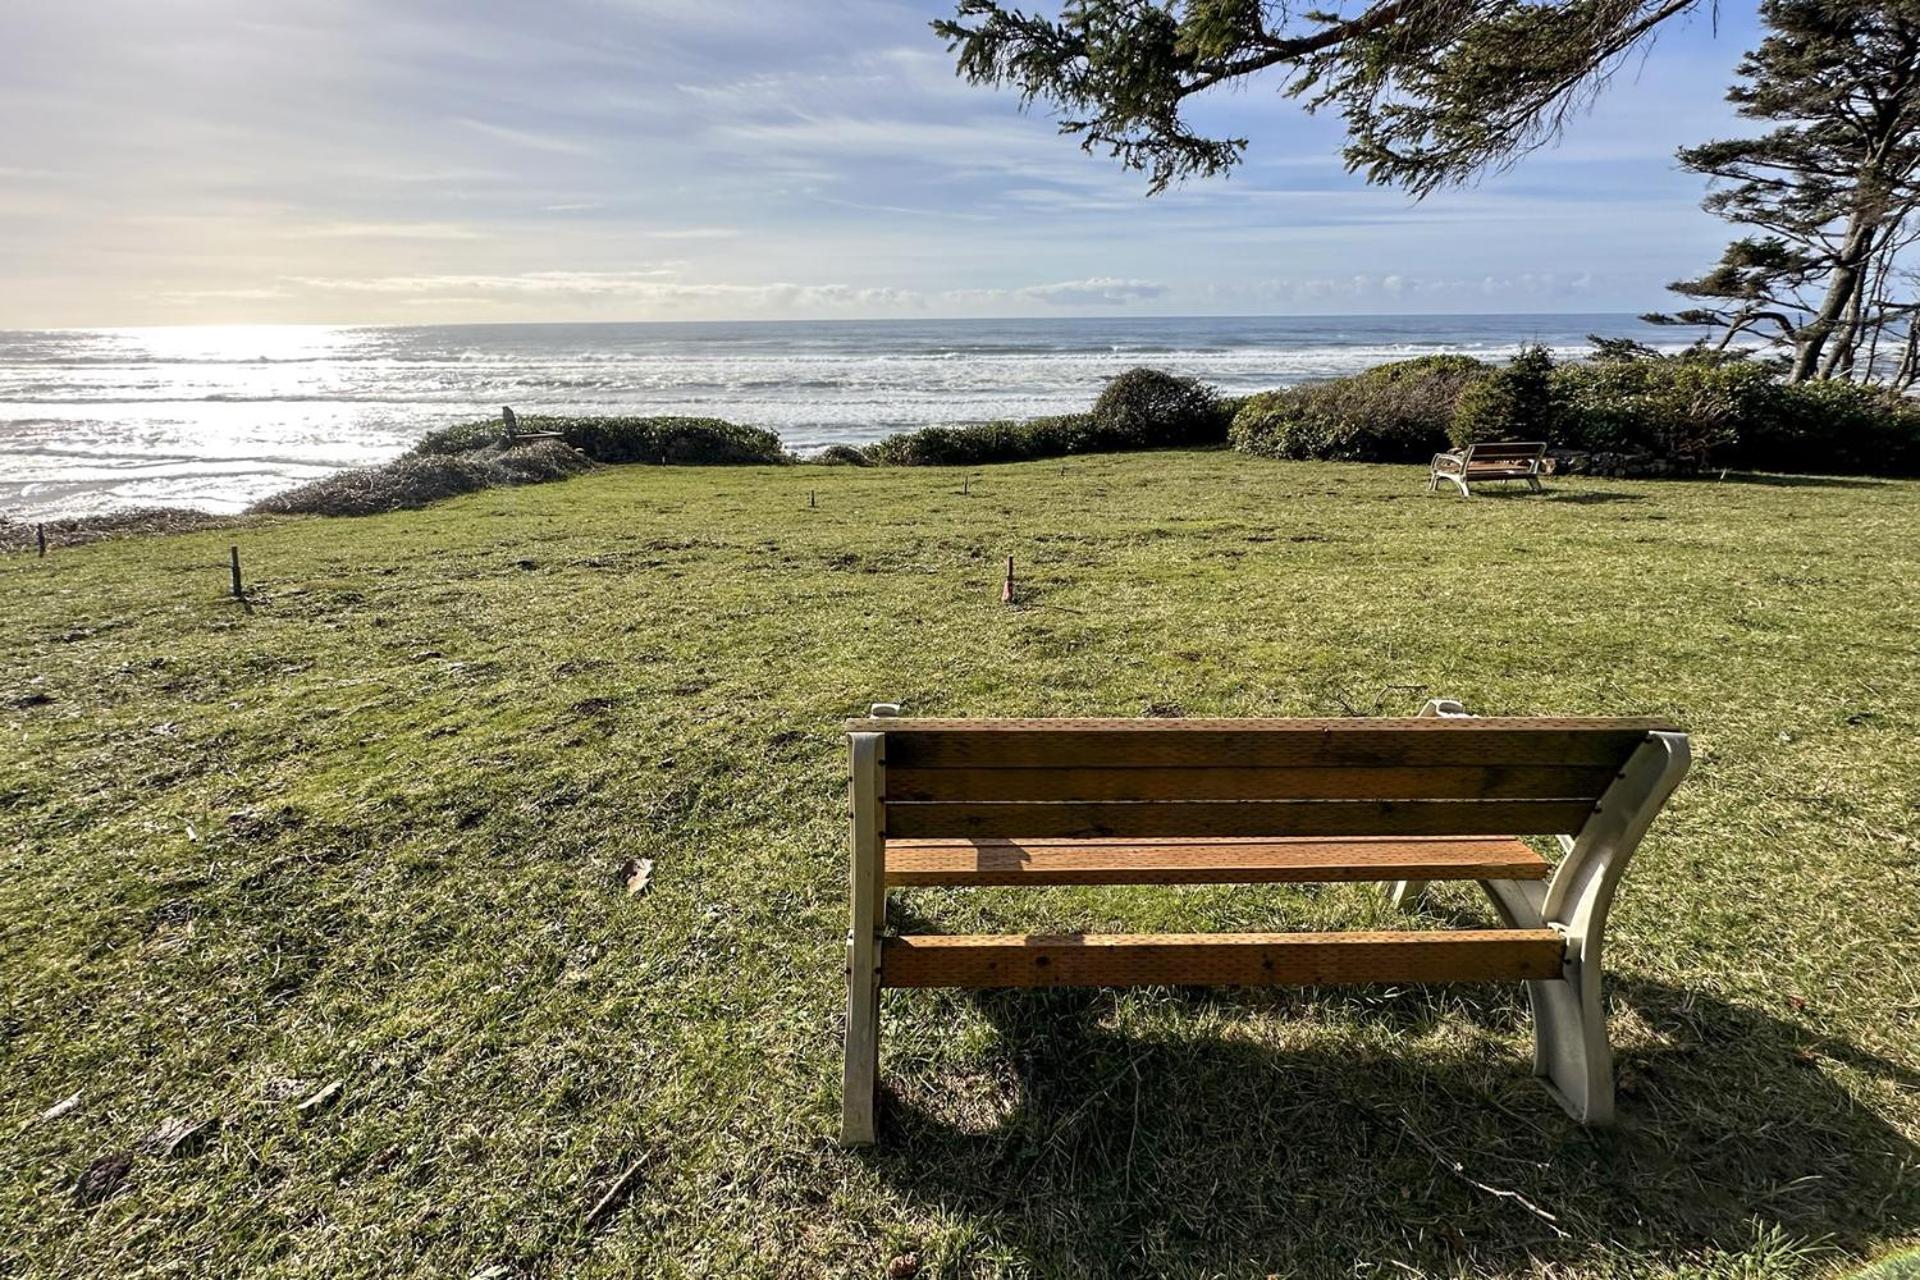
column 1571, row 1051
column 860, row 1079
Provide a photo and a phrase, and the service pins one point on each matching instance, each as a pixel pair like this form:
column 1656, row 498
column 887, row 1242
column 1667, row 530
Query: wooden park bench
column 1493, row 460
column 1444, row 796
column 511, row 434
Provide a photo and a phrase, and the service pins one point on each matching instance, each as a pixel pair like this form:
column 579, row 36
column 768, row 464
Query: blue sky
column 396, row 161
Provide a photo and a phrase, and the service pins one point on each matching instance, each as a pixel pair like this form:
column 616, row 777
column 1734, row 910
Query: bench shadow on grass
column 1773, row 480
column 1093, row 1152
column 1590, row 497
column 1575, row 497
column 1555, row 494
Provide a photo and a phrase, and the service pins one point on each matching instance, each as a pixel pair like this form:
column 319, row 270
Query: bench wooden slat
column 1176, row 725
column 932, row 744
column 1338, row 782
column 1258, row 959
column 1239, row 818
column 1225, row 861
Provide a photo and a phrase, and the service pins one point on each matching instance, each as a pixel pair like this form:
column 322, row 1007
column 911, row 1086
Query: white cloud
column 663, row 287
column 385, row 231
column 1101, row 291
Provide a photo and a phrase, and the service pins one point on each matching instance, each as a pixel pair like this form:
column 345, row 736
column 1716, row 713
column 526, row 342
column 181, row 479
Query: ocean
column 216, row 417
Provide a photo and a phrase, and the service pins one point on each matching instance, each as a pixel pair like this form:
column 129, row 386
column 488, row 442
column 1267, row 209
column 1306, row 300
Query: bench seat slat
column 1258, row 959
column 1226, row 861
column 920, row 744
column 1237, row 818
column 1435, row 782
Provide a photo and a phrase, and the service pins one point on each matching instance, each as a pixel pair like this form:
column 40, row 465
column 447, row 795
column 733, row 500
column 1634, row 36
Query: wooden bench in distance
column 1444, row 796
column 1493, row 460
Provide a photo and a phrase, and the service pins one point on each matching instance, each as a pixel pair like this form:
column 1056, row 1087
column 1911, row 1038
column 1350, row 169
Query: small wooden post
column 1006, row 588
column 233, row 554
column 40, row 536
column 966, row 485
column 810, row 499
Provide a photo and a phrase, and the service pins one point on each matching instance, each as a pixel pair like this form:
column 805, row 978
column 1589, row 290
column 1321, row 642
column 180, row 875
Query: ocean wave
column 221, row 417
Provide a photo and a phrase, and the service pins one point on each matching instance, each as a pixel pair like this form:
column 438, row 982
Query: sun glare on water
column 238, row 343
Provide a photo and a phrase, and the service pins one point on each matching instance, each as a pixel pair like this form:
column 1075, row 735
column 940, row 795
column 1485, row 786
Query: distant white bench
column 1077, row 802
column 1492, row 460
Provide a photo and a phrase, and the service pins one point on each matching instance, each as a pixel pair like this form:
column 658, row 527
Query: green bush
column 462, row 437
column 1140, row 409
column 1396, row 412
column 841, row 455
column 1149, row 409
column 952, row 446
column 1060, row 434
column 1517, row 402
column 1054, row 436
column 1836, row 427
column 414, row 480
column 1679, row 411
column 666, row 441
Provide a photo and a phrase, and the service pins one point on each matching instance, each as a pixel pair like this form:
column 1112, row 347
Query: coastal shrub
column 1396, row 412
column 1057, row 435
column 1516, row 402
column 1680, row 412
column 411, row 481
column 666, row 441
column 1837, row 427
column 78, row 531
column 1691, row 410
column 1139, row 409
column 842, row 455
column 1148, row 408
column 462, row 437
column 1052, row 436
column 952, row 446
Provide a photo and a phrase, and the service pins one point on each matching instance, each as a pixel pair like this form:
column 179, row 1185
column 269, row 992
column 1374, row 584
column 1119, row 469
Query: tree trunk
column 1909, row 357
column 1810, row 342
column 1839, row 356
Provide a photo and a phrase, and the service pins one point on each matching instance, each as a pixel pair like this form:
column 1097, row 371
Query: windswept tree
column 1432, row 91
column 1829, row 192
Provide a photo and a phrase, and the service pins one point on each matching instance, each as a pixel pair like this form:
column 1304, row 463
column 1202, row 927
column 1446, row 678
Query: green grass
column 369, row 829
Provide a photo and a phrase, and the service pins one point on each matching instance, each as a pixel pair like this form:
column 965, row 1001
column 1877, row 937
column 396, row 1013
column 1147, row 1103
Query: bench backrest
column 997, row 779
column 1505, row 452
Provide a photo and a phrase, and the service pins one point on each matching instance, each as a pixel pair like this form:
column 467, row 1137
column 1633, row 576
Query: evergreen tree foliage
column 1432, row 91
column 1827, row 192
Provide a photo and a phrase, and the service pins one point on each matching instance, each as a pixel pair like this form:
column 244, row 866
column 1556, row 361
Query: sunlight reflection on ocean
column 217, row 417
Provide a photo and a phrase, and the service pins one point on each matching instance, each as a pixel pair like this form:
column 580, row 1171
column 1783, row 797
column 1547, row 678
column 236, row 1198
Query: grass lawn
column 369, row 830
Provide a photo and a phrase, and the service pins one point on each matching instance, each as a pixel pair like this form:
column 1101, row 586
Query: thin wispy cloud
column 536, row 141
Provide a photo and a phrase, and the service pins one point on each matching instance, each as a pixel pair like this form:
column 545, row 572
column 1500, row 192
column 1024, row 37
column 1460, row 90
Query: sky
column 441, row 161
